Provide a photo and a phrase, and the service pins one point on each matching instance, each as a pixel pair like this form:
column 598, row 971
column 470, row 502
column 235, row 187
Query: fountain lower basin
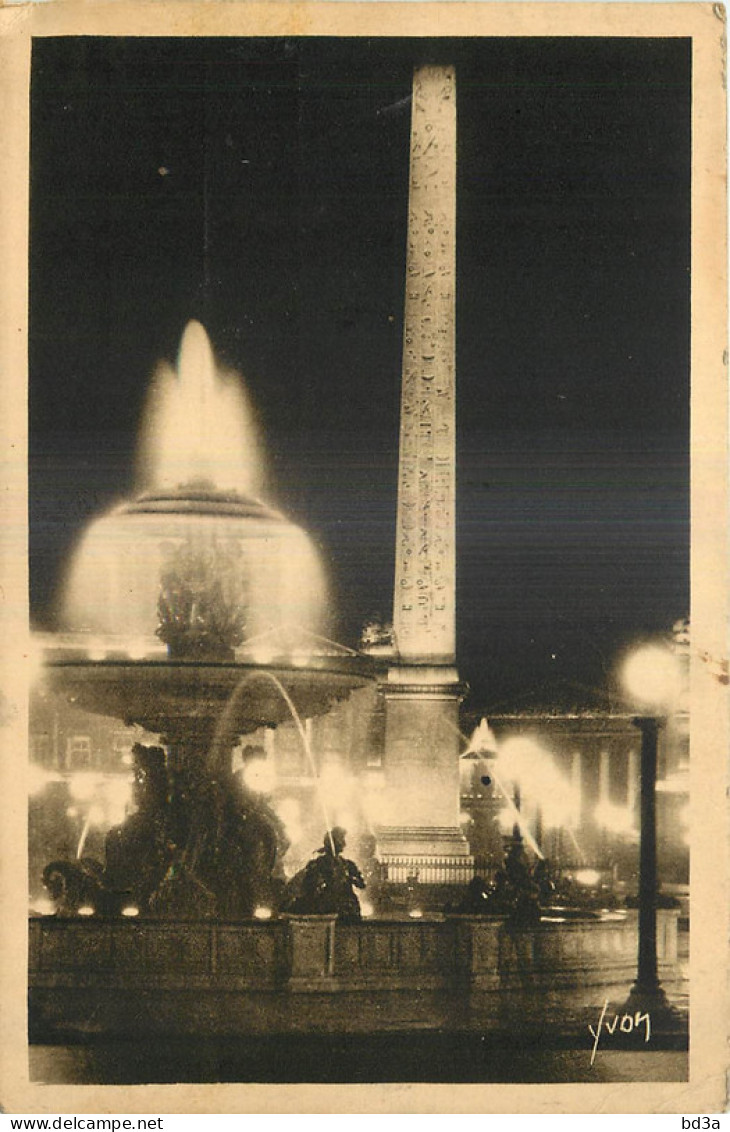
column 161, row 695
column 96, row 978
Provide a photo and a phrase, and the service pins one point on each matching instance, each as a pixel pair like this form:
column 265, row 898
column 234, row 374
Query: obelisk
column 422, row 693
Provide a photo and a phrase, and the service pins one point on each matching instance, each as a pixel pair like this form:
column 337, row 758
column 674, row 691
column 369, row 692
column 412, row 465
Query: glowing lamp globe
column 650, row 677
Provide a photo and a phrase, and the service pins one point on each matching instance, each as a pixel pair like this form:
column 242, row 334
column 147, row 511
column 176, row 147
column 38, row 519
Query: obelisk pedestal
column 420, row 832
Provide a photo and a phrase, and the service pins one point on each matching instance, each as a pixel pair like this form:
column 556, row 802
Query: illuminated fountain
column 196, row 611
column 195, row 558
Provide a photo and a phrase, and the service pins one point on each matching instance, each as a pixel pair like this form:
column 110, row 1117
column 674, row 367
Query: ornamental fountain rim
column 201, row 498
column 163, row 696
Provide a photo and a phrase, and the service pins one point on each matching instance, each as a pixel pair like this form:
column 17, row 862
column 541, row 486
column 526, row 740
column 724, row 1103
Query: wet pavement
column 515, row 1037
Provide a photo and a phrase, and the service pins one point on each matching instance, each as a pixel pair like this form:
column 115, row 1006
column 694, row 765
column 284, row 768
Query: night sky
column 260, row 185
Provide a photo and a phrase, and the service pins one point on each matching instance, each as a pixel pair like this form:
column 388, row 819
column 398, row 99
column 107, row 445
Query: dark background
column 260, row 185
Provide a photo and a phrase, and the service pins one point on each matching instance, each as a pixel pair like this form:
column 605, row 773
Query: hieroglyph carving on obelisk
column 424, row 601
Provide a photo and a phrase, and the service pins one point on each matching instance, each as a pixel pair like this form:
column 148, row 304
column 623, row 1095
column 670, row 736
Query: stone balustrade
column 457, row 871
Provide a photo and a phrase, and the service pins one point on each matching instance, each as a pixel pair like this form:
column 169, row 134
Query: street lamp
column 650, row 677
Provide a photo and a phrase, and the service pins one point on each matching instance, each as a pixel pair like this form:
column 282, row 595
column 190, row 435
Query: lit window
column 40, row 748
column 79, row 751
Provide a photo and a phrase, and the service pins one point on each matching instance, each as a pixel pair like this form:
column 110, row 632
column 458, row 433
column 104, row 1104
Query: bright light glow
column 677, row 783
column 482, row 741
column 86, row 910
column 128, row 758
column 415, row 914
column 259, row 775
column 42, row 906
column 38, row 778
column 560, row 808
column 567, row 815
column 72, row 812
column 588, row 877
column 464, row 818
column 294, row 832
column 375, row 802
column 378, row 806
column 334, row 777
column 616, row 819
column 651, row 676
column 117, row 798
column 96, row 816
column 34, row 653
column 524, row 761
column 366, row 909
column 130, row 910
column 137, row 650
column 336, row 787
column 289, row 811
column 83, row 785
column 262, row 913
column 506, row 819
column 345, row 818
column 292, row 865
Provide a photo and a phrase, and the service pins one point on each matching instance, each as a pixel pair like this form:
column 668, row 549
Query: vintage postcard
column 364, row 558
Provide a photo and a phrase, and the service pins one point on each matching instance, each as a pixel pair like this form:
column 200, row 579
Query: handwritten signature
column 625, row 1023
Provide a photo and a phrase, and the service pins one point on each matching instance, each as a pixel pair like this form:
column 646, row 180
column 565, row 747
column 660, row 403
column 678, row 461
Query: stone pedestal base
column 419, row 833
column 311, row 951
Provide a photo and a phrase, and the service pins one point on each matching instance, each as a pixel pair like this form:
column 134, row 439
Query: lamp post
column 647, row 984
column 650, row 678
column 517, row 798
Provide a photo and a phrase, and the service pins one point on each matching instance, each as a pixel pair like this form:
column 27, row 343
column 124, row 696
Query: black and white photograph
column 359, row 548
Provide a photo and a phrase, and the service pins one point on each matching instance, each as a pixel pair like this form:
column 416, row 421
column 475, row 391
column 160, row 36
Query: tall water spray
column 195, row 558
column 199, row 426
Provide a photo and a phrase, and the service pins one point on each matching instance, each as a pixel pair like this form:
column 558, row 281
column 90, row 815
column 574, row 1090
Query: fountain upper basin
column 204, row 553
